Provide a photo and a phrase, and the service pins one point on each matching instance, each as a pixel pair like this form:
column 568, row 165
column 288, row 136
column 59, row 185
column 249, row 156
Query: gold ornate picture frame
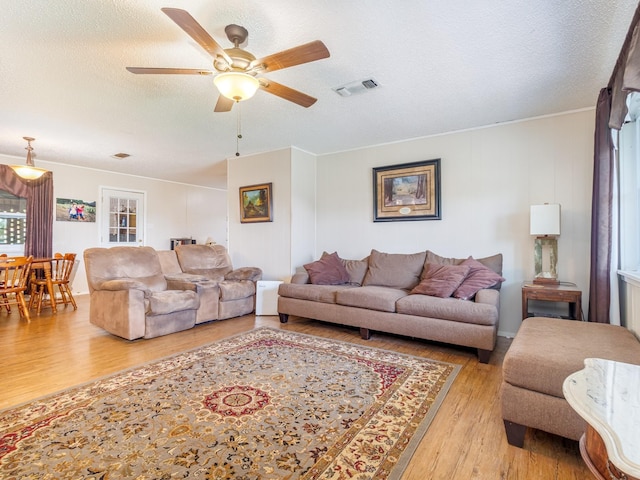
column 405, row 192
column 256, row 203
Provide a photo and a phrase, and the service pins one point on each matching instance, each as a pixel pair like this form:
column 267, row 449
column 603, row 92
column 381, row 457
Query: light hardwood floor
column 465, row 441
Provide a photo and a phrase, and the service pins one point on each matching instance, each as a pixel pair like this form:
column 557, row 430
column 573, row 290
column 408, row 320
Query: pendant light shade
column 236, row 86
column 29, row 171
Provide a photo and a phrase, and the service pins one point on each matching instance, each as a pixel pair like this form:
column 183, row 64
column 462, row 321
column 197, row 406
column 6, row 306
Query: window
column 629, row 195
column 13, row 222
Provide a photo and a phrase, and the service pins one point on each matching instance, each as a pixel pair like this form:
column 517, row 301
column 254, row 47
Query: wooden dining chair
column 14, row 273
column 61, row 268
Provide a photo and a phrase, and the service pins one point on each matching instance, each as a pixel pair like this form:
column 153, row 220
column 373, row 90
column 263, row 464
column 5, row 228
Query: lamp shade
column 29, row 171
column 236, row 86
column 545, row 219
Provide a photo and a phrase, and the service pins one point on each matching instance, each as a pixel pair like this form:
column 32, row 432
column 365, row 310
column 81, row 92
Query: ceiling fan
column 236, row 70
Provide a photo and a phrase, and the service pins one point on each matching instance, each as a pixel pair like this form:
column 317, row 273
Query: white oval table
column 607, row 395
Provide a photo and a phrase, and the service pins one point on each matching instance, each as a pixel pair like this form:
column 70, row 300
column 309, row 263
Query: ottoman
column 543, row 353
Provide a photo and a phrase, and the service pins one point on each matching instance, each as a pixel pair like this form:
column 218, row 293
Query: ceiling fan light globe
column 236, row 86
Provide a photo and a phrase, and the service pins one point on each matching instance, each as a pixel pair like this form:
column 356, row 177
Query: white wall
column 490, row 177
column 266, row 245
column 172, row 210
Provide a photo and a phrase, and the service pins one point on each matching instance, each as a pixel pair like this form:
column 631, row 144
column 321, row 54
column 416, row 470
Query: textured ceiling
column 442, row 65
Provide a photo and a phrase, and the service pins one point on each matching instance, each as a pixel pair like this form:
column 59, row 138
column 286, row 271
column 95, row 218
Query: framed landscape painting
column 409, row 191
column 255, row 203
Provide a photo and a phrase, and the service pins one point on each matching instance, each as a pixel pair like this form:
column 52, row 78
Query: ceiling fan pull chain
column 239, row 129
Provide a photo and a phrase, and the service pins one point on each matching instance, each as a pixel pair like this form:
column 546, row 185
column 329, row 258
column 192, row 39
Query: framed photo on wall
column 405, row 192
column 255, row 203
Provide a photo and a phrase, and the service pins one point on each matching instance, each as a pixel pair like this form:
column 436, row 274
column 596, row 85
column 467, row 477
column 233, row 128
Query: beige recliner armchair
column 129, row 294
column 207, row 270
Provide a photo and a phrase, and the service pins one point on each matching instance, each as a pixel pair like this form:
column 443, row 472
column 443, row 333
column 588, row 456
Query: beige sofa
column 224, row 292
column 140, row 292
column 383, row 293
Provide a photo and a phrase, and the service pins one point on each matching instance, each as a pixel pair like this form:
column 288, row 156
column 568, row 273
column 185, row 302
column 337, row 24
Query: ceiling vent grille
column 354, row 88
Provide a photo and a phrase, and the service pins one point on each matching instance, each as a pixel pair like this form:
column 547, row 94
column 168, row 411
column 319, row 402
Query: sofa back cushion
column 136, row 263
column 212, row 262
column 395, row 270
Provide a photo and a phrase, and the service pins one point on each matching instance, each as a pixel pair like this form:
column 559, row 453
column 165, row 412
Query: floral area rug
column 266, row 404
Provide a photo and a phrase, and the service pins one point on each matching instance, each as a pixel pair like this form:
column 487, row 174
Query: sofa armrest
column 245, row 273
column 488, row 296
column 301, row 276
column 123, row 284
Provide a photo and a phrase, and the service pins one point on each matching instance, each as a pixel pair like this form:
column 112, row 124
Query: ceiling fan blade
column 309, row 52
column 287, row 93
column 224, row 104
column 177, row 71
column 189, row 24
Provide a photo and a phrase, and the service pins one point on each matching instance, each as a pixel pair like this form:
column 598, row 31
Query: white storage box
column 267, row 297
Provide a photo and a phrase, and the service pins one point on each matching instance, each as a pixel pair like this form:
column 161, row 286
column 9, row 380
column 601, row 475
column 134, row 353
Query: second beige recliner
column 223, row 291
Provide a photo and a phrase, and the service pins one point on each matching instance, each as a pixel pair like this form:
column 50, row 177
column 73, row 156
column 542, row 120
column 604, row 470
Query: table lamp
column 545, row 225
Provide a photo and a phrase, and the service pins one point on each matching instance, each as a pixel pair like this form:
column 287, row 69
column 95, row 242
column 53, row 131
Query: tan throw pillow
column 479, row 277
column 394, row 270
column 329, row 270
column 441, row 280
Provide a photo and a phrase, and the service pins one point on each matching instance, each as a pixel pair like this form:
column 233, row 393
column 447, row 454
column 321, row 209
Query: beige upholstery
column 378, row 298
column 208, row 271
column 130, row 297
column 544, row 352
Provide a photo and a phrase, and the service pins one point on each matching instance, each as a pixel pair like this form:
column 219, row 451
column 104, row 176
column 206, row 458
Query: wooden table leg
column 52, row 298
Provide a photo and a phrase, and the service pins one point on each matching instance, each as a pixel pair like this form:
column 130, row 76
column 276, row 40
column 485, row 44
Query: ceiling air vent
column 120, row 155
column 354, row 88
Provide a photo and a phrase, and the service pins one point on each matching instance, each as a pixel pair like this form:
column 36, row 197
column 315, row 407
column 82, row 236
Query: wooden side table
column 552, row 293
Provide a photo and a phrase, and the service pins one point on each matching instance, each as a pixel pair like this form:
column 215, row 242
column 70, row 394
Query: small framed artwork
column 255, row 203
column 409, row 191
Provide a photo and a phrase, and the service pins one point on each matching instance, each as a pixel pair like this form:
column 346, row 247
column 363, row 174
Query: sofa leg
column 365, row 333
column 515, row 433
column 284, row 317
column 484, row 355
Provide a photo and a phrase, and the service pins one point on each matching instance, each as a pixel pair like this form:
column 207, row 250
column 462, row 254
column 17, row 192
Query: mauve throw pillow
column 329, row 270
column 494, row 262
column 441, row 280
column 479, row 277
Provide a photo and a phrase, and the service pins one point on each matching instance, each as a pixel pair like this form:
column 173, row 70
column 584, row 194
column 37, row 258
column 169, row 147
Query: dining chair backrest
column 14, row 273
column 61, row 266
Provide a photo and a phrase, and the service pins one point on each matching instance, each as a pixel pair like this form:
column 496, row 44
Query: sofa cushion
column 371, row 297
column 479, row 277
column 448, row 309
column 494, row 262
column 236, row 289
column 441, row 280
column 329, row 270
column 545, row 351
column 356, row 269
column 394, row 270
column 169, row 301
column 314, row 293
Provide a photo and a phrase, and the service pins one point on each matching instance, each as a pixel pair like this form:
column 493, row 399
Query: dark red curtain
column 39, row 195
column 611, row 111
column 601, row 232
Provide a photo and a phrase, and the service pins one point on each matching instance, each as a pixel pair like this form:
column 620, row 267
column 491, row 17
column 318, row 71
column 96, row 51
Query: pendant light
column 29, row 171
